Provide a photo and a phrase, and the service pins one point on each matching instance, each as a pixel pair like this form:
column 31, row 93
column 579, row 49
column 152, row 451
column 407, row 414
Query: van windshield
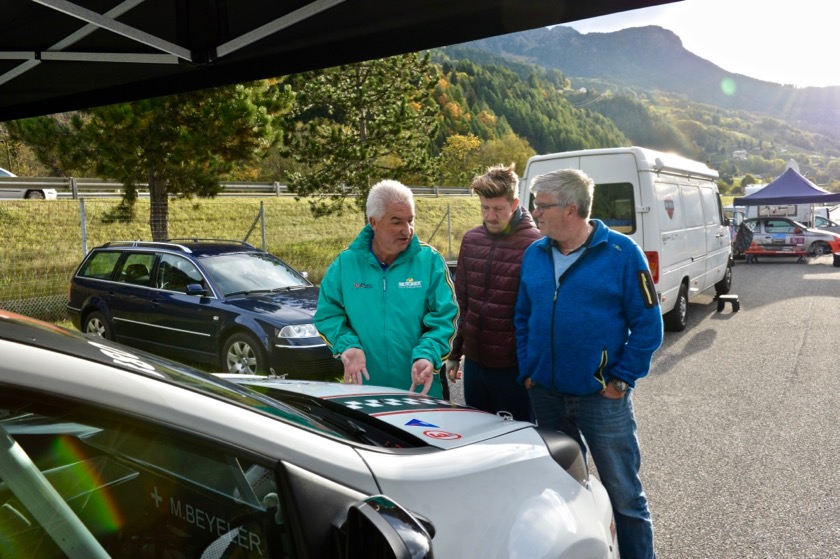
column 614, row 205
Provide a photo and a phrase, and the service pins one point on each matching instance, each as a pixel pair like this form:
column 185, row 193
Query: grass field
column 44, row 241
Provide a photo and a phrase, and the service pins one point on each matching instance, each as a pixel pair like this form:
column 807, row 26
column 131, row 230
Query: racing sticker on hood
column 442, row 435
column 418, row 423
column 374, row 406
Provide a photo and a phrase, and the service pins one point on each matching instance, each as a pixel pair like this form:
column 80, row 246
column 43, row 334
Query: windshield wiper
column 288, row 288
column 247, row 292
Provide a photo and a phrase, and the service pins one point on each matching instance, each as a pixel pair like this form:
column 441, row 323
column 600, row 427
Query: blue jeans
column 607, row 428
column 495, row 389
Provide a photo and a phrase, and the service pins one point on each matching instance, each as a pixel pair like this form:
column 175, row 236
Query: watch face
column 620, row 385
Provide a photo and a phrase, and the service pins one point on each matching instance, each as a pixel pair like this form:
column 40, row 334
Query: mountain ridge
column 653, row 58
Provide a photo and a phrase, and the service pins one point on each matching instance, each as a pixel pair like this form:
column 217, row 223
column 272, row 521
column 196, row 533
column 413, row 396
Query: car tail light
column 653, row 263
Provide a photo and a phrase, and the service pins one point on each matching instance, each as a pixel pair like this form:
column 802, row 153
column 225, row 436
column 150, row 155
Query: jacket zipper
column 554, row 302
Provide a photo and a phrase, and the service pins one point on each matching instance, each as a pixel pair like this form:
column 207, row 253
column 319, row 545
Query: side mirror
column 379, row 528
column 196, row 289
column 797, row 231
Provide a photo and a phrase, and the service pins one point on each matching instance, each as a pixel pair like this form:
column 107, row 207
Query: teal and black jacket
column 397, row 315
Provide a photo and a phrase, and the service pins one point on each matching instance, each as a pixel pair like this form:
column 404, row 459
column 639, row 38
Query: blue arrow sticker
column 418, row 423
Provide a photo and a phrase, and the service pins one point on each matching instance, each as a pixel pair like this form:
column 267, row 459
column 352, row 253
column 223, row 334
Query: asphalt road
column 739, row 420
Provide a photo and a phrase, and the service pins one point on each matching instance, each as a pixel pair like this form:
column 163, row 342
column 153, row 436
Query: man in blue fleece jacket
column 587, row 324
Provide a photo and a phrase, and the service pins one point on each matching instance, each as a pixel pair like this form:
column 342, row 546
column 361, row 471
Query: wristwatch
column 620, row 385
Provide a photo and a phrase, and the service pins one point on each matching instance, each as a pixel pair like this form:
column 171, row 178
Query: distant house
column 739, row 154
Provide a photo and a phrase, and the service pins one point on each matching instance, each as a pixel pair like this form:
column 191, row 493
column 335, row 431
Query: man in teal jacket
column 387, row 304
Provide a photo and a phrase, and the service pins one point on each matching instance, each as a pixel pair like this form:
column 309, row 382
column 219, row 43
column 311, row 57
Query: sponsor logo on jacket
column 409, row 283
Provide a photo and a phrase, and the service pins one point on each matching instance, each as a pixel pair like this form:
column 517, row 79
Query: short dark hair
column 499, row 180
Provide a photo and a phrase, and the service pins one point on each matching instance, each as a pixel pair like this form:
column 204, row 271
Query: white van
column 669, row 205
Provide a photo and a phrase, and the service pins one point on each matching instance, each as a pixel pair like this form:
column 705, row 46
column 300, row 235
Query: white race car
column 113, row 452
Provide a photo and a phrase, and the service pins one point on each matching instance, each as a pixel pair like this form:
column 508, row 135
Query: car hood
column 297, row 304
column 439, row 423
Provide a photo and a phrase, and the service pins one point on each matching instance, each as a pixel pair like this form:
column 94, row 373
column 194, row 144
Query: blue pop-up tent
column 789, row 188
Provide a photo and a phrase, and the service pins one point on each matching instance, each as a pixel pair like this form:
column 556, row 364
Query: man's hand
column 355, row 365
column 611, row 393
column 422, row 373
column 452, row 368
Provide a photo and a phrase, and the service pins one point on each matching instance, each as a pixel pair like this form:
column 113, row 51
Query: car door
column 718, row 239
column 127, row 297
column 140, row 489
column 182, row 325
column 783, row 233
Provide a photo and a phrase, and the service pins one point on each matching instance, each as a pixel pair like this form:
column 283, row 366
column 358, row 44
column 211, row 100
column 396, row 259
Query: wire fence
column 44, row 241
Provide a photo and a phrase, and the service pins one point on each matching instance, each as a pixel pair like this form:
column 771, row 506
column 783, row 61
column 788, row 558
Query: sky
column 795, row 43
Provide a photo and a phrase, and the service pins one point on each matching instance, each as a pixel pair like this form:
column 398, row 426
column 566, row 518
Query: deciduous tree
column 357, row 124
column 179, row 145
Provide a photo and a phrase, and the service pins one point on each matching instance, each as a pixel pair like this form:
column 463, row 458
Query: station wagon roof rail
column 174, row 244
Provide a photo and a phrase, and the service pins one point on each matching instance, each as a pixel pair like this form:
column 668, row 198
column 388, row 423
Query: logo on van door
column 669, row 207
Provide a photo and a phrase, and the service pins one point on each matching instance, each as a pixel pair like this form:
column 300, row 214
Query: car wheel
column 244, row 355
column 35, row 195
column 677, row 319
column 819, row 248
column 725, row 284
column 98, row 325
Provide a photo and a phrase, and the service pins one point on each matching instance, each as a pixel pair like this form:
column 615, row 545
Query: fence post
column 83, row 225
column 449, row 226
column 74, row 188
column 276, row 188
column 262, row 222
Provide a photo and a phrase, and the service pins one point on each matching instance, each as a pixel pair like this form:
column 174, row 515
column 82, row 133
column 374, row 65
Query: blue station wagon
column 223, row 303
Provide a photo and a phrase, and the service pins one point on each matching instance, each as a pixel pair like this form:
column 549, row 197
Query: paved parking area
column 739, row 420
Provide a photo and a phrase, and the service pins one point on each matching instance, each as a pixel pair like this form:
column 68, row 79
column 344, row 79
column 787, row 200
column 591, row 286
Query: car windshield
column 248, row 272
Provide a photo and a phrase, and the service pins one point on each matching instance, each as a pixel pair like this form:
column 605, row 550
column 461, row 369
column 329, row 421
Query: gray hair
column 567, row 186
column 385, row 193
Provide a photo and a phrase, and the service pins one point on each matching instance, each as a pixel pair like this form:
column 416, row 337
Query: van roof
column 648, row 160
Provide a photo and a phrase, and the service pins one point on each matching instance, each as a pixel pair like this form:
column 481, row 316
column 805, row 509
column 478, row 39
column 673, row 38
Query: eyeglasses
column 543, row 207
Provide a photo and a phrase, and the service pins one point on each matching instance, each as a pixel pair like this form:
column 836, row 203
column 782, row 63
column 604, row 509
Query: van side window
column 615, row 206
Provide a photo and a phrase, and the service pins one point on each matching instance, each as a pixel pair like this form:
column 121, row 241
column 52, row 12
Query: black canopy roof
column 60, row 55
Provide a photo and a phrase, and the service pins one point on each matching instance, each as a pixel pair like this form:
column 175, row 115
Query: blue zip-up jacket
column 397, row 315
column 602, row 322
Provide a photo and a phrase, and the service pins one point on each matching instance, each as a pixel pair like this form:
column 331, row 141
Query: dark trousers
column 495, row 390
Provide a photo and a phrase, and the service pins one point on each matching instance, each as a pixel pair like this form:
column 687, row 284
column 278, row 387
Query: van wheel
column 97, row 325
column 677, row 319
column 725, row 284
column 243, row 355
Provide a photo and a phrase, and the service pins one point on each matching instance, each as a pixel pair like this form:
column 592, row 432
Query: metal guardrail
column 72, row 187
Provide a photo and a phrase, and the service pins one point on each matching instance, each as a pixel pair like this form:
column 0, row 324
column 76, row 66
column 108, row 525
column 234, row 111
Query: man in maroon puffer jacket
column 486, row 285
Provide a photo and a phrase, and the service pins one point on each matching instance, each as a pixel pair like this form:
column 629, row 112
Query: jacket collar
column 361, row 246
column 598, row 236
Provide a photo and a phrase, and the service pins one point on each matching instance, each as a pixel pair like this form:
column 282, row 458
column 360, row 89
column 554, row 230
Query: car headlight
column 298, row 331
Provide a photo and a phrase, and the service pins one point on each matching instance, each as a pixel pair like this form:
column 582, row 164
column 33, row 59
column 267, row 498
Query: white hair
column 384, row 193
